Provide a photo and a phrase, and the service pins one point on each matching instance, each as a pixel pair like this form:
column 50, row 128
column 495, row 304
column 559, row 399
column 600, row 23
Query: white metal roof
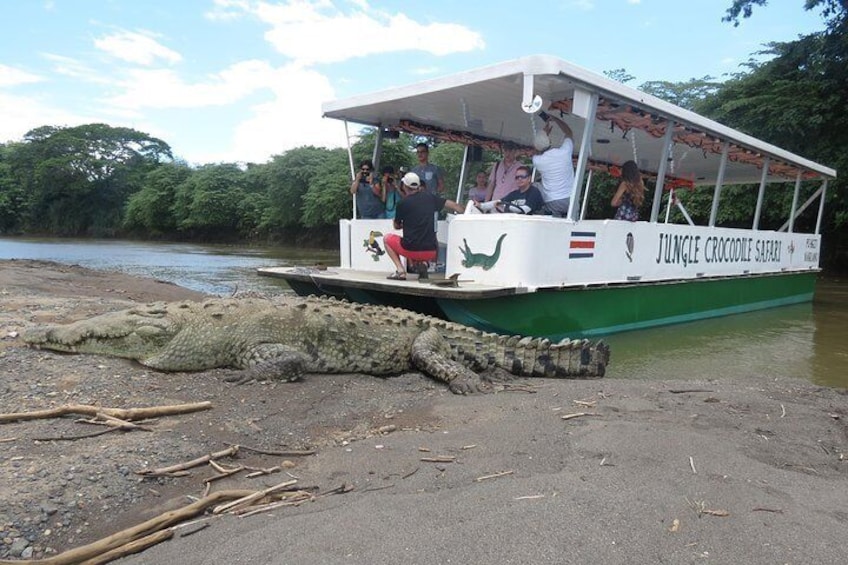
column 486, row 103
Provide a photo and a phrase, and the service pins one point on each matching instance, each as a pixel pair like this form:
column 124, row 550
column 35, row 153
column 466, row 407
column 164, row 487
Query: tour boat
column 581, row 277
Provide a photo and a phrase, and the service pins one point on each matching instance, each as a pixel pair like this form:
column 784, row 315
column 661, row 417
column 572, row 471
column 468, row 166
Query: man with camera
column 368, row 191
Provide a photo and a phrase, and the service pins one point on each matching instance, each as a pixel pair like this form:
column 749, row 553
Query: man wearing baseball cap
column 416, row 216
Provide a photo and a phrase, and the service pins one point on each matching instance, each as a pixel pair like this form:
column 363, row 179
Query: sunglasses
column 518, row 177
column 365, row 170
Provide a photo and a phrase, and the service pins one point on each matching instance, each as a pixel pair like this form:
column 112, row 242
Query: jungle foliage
column 103, row 181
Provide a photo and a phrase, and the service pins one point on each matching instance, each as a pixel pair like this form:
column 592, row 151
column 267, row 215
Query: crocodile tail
column 539, row 357
column 497, row 252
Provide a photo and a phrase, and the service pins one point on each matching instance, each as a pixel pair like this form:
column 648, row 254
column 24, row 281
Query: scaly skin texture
column 286, row 338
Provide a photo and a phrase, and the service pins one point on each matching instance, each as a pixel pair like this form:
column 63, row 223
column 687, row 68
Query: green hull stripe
column 599, row 311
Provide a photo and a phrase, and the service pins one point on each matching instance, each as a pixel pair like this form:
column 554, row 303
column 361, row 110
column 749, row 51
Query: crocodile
column 285, row 338
column 481, row 259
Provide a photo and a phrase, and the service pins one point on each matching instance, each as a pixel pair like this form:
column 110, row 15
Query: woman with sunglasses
column 368, row 191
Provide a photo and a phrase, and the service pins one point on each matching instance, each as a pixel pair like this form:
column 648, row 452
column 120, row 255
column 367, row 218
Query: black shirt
column 417, row 214
column 532, row 198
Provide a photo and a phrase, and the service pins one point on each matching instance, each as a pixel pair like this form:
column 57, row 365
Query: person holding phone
column 556, row 166
column 368, row 191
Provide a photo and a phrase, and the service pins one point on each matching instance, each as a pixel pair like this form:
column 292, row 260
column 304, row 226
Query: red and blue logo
column 582, row 245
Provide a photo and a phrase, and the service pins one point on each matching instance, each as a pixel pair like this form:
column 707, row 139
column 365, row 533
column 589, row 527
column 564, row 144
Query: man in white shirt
column 556, row 166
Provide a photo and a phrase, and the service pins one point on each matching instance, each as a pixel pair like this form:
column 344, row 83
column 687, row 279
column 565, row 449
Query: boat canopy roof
column 499, row 103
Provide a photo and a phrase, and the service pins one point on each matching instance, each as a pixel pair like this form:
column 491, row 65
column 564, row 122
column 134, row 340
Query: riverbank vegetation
column 102, row 181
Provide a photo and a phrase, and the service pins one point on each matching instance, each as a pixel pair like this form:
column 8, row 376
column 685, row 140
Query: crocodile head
column 134, row 334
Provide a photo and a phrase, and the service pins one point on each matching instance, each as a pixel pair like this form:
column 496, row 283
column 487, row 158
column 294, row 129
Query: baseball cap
column 411, row 179
column 541, row 141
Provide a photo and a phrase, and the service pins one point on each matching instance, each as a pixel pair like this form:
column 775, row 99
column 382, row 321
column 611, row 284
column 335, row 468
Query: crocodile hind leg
column 431, row 356
column 271, row 361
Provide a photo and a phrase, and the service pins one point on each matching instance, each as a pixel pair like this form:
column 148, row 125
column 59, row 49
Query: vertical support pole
column 661, row 168
column 670, row 202
column 761, row 194
column 378, row 150
column 821, row 207
column 725, row 149
column 583, row 156
column 586, row 195
column 350, row 162
column 462, row 171
column 794, row 202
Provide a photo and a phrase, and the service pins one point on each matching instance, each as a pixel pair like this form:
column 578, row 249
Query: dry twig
column 493, row 476
column 439, row 459
column 577, row 415
column 295, row 453
column 260, row 472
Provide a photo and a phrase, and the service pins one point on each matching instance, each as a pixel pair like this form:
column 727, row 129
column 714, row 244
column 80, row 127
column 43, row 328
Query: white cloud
column 227, row 10
column 10, row 76
column 291, row 119
column 20, row 114
column 75, row 69
column 140, row 48
column 274, row 107
column 310, row 32
column 165, row 88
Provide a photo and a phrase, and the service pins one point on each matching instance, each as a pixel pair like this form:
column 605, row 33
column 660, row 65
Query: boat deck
column 330, row 280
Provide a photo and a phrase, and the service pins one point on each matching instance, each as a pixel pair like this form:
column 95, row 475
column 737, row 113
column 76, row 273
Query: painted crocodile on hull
column 285, row 338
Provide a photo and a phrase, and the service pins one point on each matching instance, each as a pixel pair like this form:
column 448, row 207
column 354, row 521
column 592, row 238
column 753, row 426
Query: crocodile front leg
column 431, row 356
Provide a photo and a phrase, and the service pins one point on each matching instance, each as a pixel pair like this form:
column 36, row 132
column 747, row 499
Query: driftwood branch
column 251, row 498
column 134, row 546
column 93, row 411
column 178, row 469
column 129, row 535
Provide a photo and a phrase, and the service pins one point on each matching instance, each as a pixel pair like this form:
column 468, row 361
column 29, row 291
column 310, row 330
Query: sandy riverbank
column 751, row 471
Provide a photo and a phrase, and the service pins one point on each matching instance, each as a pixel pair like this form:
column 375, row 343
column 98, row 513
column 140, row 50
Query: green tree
column 286, row 179
column 684, row 94
column 150, row 210
column 327, row 198
column 12, row 195
column 78, row 179
column 797, row 100
column 207, row 204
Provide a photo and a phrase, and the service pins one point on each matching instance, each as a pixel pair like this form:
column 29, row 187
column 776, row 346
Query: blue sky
column 242, row 80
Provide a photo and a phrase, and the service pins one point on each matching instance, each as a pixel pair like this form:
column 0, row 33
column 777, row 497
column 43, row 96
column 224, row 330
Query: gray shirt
column 430, row 174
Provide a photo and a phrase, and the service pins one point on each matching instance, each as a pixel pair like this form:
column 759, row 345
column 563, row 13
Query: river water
column 809, row 341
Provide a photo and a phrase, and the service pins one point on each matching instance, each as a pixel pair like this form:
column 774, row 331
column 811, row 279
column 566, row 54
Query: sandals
column 397, row 276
